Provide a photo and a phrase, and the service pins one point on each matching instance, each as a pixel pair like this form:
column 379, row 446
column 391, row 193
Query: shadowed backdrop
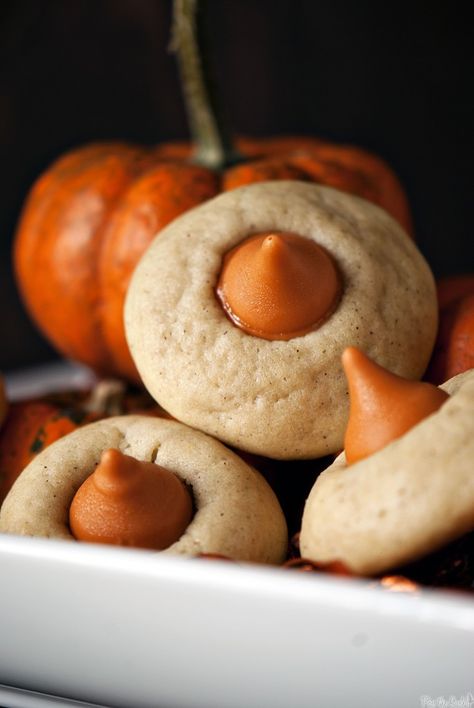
column 393, row 79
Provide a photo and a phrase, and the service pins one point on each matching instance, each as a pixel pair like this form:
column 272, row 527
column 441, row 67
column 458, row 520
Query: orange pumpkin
column 32, row 425
column 29, row 427
column 92, row 214
column 452, row 288
column 90, row 217
column 454, row 347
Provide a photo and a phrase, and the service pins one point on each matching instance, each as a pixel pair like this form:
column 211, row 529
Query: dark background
column 392, row 78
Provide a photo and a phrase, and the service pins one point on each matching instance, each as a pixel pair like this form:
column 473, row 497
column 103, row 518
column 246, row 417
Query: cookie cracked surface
column 236, row 512
column 282, row 399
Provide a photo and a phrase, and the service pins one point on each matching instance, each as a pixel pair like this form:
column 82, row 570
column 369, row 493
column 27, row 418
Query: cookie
column 283, row 399
column 236, row 512
column 404, row 501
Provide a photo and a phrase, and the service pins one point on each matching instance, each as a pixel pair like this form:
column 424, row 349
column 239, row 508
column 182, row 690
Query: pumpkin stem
column 213, row 144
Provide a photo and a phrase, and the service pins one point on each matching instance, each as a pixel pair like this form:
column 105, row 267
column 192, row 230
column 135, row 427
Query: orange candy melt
column 126, row 502
column 383, row 406
column 278, row 285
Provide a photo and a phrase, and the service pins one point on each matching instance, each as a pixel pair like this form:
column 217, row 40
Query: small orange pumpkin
column 32, row 425
column 29, row 427
column 452, row 288
column 90, row 217
column 454, row 347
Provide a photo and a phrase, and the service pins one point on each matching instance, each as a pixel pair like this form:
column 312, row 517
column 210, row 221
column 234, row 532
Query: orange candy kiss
column 126, row 502
column 383, row 406
column 278, row 285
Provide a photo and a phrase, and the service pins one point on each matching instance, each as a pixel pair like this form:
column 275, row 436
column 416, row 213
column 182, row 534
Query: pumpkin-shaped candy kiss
column 127, row 502
column 383, row 405
column 278, row 285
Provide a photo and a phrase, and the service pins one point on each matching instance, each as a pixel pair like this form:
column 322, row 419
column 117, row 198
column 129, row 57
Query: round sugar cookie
column 404, row 501
column 236, row 512
column 282, row 399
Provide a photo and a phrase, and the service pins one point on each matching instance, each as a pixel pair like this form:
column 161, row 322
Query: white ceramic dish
column 47, row 378
column 128, row 628
column 132, row 629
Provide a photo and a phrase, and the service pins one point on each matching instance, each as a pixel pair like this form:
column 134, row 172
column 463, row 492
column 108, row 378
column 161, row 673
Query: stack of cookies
column 237, row 317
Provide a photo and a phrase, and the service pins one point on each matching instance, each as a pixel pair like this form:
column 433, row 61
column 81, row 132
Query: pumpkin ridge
column 136, row 162
column 57, row 247
column 153, row 198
